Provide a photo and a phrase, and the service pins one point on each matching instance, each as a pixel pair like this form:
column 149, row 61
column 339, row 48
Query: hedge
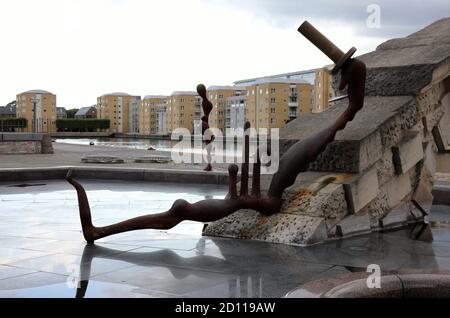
column 81, row 124
column 8, row 124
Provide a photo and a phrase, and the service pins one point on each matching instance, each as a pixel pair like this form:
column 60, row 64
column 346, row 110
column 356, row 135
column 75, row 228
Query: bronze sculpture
column 206, row 134
column 293, row 162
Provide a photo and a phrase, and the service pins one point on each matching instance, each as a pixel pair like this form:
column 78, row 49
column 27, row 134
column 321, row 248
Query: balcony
column 293, row 114
column 293, row 104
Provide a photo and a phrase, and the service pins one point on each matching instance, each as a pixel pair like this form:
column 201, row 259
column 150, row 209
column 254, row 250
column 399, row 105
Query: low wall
column 25, row 143
column 106, row 173
column 66, row 134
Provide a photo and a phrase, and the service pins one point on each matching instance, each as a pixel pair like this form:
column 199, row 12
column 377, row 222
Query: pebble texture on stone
column 378, row 173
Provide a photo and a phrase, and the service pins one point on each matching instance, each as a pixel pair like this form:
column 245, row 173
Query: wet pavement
column 43, row 253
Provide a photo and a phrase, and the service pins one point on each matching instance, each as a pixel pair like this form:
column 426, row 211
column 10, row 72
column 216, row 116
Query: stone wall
column 378, row 173
column 25, row 143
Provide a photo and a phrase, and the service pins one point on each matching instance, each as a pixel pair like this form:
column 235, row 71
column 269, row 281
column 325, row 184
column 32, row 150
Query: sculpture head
column 201, row 90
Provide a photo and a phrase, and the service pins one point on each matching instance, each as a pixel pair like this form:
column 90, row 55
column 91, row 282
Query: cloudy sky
column 80, row 49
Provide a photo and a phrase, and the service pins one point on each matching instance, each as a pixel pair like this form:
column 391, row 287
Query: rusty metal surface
column 207, row 108
column 296, row 160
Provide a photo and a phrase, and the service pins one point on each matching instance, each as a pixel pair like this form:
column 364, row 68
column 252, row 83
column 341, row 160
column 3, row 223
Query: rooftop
column 154, row 97
column 37, row 91
column 187, row 93
column 283, row 75
column 230, row 88
column 84, row 110
column 7, row 110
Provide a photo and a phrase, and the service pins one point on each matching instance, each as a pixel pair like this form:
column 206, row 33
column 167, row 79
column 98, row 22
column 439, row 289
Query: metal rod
column 321, row 41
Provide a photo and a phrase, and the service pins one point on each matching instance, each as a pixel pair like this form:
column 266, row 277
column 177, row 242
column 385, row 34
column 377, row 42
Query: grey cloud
column 398, row 18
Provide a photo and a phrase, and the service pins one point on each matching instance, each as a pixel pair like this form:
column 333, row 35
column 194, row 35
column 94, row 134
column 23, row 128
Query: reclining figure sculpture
column 293, row 162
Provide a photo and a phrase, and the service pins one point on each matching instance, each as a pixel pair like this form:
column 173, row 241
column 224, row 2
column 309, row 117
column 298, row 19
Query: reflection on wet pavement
column 43, row 254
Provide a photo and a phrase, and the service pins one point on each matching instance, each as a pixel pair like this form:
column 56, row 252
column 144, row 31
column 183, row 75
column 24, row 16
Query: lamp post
column 34, row 100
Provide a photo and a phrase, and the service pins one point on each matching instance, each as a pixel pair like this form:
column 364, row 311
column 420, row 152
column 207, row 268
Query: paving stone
column 102, row 159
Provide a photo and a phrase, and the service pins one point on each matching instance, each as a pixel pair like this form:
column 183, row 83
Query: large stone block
column 364, row 140
column 354, row 224
column 396, row 217
column 422, row 196
column 385, row 168
column 20, row 147
column 361, row 190
column 408, row 153
column 404, row 66
column 430, row 158
column 22, row 137
column 279, row 228
column 398, row 188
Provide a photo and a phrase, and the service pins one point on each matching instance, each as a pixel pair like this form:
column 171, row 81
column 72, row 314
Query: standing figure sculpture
column 293, row 162
column 206, row 133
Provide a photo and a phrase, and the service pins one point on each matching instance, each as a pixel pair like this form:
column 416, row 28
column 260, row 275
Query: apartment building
column 161, row 119
column 61, row 113
column 235, row 115
column 39, row 108
column 183, row 107
column 218, row 96
column 150, row 114
column 323, row 90
column 320, row 79
column 271, row 103
column 122, row 110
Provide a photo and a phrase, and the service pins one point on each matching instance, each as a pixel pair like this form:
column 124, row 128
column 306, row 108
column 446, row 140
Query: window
column 272, row 100
column 272, row 90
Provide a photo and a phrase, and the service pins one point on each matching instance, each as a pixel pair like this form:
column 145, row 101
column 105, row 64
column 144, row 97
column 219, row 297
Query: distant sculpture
column 206, row 133
column 293, row 162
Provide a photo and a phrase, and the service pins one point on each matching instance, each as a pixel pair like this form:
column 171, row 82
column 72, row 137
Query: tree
column 82, row 124
column 71, row 112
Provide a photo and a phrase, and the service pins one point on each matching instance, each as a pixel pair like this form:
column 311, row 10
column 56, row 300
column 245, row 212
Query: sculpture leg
column 202, row 211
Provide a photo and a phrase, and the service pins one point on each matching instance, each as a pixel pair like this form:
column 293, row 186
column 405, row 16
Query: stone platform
column 378, row 173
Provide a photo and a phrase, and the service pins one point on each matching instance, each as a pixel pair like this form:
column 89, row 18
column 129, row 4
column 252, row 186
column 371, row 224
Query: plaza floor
column 43, row 253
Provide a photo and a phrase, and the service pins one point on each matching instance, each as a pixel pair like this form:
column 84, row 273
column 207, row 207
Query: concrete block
column 282, row 228
column 361, row 191
column 397, row 189
column 104, row 173
column 102, row 159
column 39, row 174
column 7, row 175
column 422, row 196
column 354, row 224
column 396, row 217
column 20, row 147
column 430, row 159
column 441, row 193
column 408, row 153
column 188, row 176
column 22, row 137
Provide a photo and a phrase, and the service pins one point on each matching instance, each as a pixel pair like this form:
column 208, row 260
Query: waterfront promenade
column 70, row 155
